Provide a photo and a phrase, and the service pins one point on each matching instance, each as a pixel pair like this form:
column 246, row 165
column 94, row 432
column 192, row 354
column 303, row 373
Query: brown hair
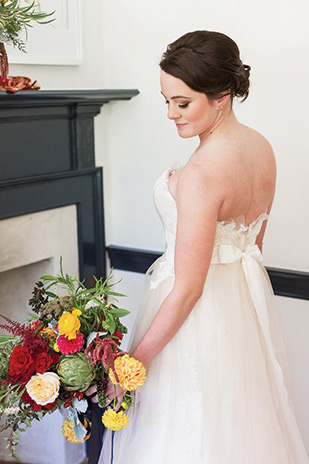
column 208, row 62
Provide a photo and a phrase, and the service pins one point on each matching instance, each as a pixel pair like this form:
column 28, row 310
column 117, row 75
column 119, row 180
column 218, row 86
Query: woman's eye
column 184, row 105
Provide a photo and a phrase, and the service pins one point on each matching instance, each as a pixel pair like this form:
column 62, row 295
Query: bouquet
column 69, row 343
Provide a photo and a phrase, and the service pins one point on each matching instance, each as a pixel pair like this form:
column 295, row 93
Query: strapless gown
column 218, row 392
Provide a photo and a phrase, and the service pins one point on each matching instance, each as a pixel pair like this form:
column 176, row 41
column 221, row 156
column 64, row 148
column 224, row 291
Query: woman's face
column 193, row 113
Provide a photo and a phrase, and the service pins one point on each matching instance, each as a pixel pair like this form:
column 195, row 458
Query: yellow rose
column 43, row 388
column 69, row 323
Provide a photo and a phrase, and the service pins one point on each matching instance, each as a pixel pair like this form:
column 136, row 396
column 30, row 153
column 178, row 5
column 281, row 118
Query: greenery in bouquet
column 69, row 343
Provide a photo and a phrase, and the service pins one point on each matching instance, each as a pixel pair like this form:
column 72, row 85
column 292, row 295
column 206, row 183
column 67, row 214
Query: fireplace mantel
column 47, row 161
column 38, row 98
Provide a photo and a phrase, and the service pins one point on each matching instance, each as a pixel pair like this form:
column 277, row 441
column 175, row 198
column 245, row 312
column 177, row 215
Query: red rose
column 27, row 399
column 21, row 364
column 42, row 362
column 55, row 357
column 118, row 334
column 37, row 407
column 50, row 405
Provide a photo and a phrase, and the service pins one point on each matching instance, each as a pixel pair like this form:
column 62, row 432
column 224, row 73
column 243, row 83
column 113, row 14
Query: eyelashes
column 184, row 105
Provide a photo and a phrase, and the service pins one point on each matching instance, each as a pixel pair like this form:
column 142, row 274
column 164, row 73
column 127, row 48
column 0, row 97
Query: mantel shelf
column 39, row 97
column 47, row 161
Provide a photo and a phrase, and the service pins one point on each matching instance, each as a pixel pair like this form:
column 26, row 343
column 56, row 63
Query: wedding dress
column 218, row 392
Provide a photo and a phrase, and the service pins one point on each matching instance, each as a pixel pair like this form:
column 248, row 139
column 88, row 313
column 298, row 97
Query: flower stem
column 115, row 397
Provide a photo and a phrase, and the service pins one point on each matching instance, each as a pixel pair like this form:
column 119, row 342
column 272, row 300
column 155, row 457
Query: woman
column 216, row 392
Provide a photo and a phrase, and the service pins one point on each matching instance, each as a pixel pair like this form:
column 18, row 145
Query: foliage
column 15, row 20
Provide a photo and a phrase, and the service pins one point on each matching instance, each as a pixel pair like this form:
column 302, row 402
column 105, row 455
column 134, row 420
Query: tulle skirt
column 213, row 395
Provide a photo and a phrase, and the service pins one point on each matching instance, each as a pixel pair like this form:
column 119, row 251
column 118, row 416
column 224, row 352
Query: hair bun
column 242, row 82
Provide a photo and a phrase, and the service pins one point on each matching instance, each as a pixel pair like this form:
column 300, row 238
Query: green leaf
column 40, row 414
column 116, row 294
column 31, row 317
column 111, row 323
column 119, row 312
column 48, row 277
column 51, row 294
column 17, row 397
column 6, row 338
column 86, row 291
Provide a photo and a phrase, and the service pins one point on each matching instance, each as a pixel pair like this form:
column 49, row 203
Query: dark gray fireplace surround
column 47, row 161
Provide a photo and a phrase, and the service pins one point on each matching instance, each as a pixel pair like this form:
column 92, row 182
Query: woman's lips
column 180, row 125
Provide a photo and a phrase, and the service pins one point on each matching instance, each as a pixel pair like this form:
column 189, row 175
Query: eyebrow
column 176, row 96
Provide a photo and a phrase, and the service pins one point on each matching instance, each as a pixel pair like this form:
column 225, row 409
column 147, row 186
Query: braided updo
column 208, row 62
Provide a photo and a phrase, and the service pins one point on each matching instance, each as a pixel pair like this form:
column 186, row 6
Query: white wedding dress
column 217, row 393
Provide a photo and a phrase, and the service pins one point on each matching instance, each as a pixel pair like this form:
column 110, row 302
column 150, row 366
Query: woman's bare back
column 247, row 169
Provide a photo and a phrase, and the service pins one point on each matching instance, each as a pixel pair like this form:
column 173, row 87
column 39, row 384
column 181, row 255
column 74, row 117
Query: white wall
column 123, row 42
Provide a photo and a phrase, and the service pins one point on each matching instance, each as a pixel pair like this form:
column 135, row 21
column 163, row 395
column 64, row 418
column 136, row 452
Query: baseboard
column 285, row 282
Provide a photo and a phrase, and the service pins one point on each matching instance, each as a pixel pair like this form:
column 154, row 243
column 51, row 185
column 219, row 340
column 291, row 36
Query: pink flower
column 67, row 346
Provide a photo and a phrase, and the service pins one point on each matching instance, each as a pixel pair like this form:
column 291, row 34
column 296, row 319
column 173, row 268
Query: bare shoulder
column 239, row 149
column 257, row 142
column 201, row 178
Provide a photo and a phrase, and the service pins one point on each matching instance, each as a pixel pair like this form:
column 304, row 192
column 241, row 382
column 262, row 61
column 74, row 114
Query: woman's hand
column 110, row 394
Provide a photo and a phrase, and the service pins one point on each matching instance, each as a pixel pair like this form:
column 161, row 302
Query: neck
column 224, row 120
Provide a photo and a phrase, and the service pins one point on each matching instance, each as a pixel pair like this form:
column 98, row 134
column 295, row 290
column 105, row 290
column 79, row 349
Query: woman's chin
column 185, row 136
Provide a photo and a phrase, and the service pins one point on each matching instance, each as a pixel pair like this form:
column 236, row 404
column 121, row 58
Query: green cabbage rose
column 75, row 372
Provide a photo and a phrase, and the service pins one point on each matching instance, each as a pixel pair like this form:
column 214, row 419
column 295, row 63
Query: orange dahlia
column 131, row 373
column 67, row 430
column 114, row 420
column 49, row 334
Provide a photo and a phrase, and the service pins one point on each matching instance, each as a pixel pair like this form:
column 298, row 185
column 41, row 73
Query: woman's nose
column 172, row 113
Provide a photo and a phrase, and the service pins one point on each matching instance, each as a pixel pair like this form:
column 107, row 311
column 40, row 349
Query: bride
column 216, row 391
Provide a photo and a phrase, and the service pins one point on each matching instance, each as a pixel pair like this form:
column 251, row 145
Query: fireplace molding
column 47, row 161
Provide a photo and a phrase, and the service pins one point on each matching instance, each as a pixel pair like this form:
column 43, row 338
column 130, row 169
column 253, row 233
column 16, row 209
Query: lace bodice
column 229, row 233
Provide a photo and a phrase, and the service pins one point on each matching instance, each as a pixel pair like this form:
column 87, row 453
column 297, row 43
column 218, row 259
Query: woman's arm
column 199, row 196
